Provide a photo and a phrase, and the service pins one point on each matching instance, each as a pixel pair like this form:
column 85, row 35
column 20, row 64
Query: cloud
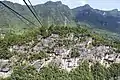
column 21, row 1
column 83, row 2
column 15, row 1
column 74, row 3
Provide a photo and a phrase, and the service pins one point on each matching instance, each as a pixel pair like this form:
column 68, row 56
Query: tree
column 82, row 72
column 99, row 72
column 114, row 70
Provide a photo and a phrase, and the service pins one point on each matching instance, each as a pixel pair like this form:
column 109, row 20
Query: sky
column 96, row 4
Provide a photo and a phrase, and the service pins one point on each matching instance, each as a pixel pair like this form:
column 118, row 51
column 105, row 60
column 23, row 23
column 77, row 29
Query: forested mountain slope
column 108, row 20
column 61, row 49
column 49, row 13
column 57, row 13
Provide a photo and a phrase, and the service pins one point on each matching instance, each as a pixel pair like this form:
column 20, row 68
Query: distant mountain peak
column 59, row 2
column 52, row 3
column 87, row 6
column 115, row 10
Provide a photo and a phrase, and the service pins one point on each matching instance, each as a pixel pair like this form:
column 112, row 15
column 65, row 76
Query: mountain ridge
column 108, row 20
column 57, row 13
column 57, row 51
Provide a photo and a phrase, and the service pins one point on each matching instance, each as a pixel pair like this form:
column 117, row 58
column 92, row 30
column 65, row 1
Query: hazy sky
column 97, row 4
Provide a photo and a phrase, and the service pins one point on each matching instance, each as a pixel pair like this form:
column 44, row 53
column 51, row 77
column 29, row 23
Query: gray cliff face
column 67, row 56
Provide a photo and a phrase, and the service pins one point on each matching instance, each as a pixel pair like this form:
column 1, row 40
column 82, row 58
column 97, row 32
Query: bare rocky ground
column 64, row 52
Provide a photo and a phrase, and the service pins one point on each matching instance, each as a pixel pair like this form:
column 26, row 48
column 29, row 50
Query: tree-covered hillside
column 107, row 20
column 65, row 47
column 58, row 14
column 49, row 13
column 25, row 65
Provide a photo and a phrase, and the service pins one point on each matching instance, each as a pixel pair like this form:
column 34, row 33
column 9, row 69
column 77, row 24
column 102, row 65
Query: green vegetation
column 83, row 72
column 37, row 56
column 17, row 33
column 12, row 39
column 74, row 53
column 99, row 72
column 114, row 71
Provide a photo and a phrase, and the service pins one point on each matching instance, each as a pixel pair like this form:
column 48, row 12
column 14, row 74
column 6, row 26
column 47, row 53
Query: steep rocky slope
column 63, row 47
